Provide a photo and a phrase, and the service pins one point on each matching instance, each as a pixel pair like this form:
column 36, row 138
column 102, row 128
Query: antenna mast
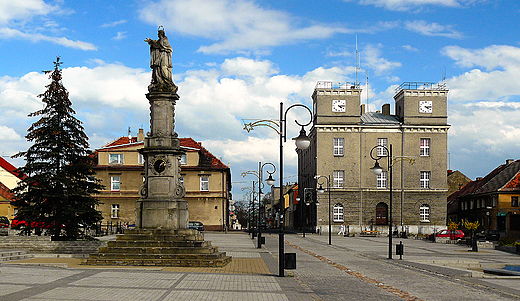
column 357, row 65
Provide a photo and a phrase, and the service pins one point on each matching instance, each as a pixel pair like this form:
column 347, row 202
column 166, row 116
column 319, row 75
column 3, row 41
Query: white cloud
column 120, row 35
column 502, row 64
column 239, row 25
column 404, row 5
column 9, row 33
column 432, row 29
column 24, row 10
column 113, row 24
column 410, row 48
column 372, row 59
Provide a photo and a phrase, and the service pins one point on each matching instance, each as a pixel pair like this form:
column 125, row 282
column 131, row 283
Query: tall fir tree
column 57, row 189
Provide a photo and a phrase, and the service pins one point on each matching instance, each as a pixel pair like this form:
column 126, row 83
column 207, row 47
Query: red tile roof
column 10, row 168
column 206, row 159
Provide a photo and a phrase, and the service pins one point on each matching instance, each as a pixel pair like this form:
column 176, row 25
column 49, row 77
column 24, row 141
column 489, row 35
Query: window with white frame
column 115, row 183
column 338, row 213
column 381, row 151
column 339, row 146
column 424, row 212
column 114, row 211
column 115, row 158
column 382, row 180
column 425, row 146
column 140, row 159
column 425, row 179
column 338, row 178
column 204, row 183
column 184, row 159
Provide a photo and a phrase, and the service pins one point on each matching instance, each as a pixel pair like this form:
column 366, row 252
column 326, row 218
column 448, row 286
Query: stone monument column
column 161, row 205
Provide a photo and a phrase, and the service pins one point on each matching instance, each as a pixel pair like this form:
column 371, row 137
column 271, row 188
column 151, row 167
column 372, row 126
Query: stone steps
column 156, row 247
column 159, row 250
column 14, row 255
column 161, row 262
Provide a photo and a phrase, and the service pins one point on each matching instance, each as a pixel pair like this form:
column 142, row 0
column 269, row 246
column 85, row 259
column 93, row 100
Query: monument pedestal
column 156, row 247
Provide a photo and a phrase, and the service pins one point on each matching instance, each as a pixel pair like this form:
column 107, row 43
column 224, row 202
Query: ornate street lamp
column 321, row 190
column 269, row 181
column 377, row 170
column 302, row 142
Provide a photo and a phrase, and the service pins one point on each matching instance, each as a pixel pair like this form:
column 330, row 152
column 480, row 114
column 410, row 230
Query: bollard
column 399, row 250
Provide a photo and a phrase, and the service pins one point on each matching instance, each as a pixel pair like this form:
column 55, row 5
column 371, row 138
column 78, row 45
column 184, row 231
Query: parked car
column 4, row 226
column 492, row 235
column 196, row 225
column 452, row 234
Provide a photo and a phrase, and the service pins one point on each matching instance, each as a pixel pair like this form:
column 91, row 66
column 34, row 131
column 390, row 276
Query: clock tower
column 420, row 104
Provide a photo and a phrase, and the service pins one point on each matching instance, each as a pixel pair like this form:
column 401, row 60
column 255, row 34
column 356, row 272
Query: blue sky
column 237, row 60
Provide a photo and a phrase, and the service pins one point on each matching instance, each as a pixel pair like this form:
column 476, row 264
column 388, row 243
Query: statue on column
column 161, row 63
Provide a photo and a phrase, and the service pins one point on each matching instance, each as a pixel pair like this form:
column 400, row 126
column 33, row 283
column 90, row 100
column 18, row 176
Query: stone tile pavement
column 349, row 269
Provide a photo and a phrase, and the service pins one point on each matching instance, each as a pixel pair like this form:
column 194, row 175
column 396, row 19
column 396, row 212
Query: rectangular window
column 424, row 212
column 115, row 183
column 425, row 146
column 514, row 201
column 338, row 213
column 425, row 179
column 204, row 183
column 382, row 180
column 184, row 159
column 381, row 151
column 140, row 159
column 338, row 179
column 115, row 158
column 339, row 144
column 114, row 211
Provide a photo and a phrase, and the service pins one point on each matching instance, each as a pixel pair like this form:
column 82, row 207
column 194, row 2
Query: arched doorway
column 382, row 214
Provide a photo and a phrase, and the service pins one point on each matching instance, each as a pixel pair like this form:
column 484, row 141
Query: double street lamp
column 302, row 142
column 270, row 181
column 321, row 190
column 384, row 151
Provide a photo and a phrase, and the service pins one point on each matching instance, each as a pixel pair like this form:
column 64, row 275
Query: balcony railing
column 420, row 86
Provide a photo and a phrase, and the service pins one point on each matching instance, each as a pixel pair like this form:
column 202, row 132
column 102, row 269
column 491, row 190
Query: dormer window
column 115, row 158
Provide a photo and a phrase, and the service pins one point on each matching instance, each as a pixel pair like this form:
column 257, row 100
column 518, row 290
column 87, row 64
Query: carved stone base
column 162, row 214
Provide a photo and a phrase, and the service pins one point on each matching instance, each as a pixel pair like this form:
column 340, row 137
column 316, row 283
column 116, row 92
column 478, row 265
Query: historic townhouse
column 343, row 135
column 206, row 179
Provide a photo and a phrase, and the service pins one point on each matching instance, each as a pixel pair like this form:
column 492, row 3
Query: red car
column 453, row 234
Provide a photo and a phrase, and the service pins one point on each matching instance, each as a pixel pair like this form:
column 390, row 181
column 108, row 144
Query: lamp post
column 251, row 191
column 302, row 142
column 269, row 181
column 377, row 170
column 321, row 190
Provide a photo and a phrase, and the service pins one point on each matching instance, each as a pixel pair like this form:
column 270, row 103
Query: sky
column 238, row 59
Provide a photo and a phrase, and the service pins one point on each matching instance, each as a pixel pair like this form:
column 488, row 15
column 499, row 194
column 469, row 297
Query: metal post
column 390, row 223
column 281, row 240
column 330, row 230
column 259, row 245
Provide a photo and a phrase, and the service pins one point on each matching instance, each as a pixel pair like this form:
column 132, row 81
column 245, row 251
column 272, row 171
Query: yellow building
column 8, row 180
column 206, row 179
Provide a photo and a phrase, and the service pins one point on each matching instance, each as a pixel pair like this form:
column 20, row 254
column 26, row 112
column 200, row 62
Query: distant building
column 343, row 135
column 456, row 180
column 9, row 178
column 493, row 200
column 206, row 179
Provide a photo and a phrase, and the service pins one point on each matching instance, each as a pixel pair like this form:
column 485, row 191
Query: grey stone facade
column 421, row 119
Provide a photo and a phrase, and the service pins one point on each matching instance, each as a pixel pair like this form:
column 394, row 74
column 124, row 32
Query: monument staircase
column 156, row 247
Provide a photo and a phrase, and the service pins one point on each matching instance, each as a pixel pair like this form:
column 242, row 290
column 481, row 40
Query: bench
column 370, row 233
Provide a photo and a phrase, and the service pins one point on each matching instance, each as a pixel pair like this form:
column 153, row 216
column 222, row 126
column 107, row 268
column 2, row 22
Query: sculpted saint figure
column 161, row 63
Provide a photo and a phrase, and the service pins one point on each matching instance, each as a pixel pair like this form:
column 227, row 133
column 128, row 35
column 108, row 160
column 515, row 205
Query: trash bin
column 289, row 261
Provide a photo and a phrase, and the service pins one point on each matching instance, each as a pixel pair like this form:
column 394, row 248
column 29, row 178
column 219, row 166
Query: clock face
column 338, row 105
column 425, row 106
column 159, row 165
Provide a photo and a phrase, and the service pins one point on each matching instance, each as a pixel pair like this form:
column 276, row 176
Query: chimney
column 362, row 109
column 386, row 109
column 140, row 135
column 509, row 161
